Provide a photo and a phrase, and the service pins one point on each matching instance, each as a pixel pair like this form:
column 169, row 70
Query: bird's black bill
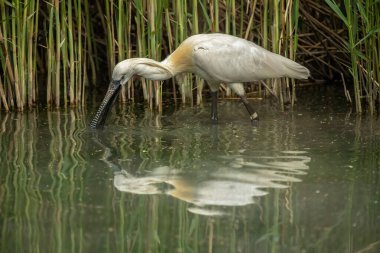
column 106, row 105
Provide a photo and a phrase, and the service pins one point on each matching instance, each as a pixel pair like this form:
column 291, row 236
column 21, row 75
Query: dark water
column 303, row 181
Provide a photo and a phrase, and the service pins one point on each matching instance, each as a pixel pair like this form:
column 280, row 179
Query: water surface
column 306, row 180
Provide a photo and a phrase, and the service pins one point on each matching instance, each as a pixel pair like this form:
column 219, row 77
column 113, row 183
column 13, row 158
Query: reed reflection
column 41, row 178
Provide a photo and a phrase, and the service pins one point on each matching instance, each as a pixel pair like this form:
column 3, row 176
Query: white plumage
column 228, row 59
column 217, row 58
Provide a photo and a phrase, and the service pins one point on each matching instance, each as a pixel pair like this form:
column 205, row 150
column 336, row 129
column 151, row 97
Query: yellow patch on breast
column 181, row 58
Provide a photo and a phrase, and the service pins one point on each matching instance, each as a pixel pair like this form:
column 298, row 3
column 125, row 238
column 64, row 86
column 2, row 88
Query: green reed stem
column 80, row 49
column 50, row 62
column 15, row 23
column 352, row 30
column 57, row 55
column 71, row 57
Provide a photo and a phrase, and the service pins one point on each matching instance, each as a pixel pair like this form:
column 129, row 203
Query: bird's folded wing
column 238, row 60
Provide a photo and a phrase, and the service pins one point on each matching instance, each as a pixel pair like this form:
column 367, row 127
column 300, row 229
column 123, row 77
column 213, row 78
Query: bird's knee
column 254, row 116
column 238, row 88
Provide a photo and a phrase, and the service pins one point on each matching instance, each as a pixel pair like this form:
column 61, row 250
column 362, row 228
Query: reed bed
column 347, row 48
column 55, row 52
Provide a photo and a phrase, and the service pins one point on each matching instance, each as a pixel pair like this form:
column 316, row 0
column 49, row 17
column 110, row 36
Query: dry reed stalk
column 3, row 98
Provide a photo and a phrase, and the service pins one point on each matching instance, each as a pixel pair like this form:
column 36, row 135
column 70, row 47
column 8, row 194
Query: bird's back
column 225, row 58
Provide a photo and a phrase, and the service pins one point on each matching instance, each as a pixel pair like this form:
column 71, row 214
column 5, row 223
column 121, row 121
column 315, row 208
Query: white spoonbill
column 217, row 58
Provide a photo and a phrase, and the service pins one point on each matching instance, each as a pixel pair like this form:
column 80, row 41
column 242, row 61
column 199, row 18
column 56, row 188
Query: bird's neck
column 151, row 69
column 180, row 61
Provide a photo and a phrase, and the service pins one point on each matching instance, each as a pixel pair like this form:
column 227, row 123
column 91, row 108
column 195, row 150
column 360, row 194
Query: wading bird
column 217, row 58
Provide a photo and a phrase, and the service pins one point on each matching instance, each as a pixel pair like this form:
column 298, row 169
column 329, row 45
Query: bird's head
column 122, row 72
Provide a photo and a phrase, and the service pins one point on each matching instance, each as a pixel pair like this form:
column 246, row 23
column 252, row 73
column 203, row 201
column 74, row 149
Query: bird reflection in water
column 237, row 183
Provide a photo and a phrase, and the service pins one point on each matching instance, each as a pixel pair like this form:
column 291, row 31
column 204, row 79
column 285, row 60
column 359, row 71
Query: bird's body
column 224, row 58
column 217, row 58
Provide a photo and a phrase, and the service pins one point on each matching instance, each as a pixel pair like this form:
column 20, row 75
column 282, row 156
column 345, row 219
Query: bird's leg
column 238, row 88
column 214, row 106
column 252, row 113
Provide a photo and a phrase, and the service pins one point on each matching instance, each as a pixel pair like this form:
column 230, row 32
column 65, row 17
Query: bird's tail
column 293, row 69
